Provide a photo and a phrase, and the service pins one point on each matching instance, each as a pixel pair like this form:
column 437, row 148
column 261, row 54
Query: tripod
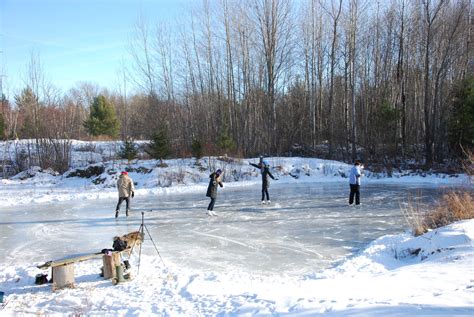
column 142, row 229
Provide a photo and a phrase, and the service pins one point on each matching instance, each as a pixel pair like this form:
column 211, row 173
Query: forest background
column 388, row 82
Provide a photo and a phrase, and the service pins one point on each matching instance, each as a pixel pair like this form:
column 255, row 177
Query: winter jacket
column 354, row 175
column 125, row 186
column 213, row 182
column 265, row 178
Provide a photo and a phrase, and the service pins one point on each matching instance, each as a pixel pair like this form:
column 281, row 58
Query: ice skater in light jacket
column 126, row 190
column 354, row 182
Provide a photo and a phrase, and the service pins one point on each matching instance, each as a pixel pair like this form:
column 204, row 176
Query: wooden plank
column 70, row 260
column 77, row 258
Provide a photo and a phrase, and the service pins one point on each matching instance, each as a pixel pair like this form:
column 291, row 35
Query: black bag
column 41, row 279
column 119, row 245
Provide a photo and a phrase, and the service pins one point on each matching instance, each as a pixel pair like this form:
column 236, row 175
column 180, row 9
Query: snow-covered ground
column 306, row 254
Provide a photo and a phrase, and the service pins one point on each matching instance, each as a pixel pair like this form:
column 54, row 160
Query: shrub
column 460, row 124
column 159, row 146
column 454, row 206
column 225, row 143
column 414, row 215
column 196, row 149
column 128, row 150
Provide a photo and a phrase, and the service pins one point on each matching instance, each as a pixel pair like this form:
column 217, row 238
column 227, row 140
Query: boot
column 126, row 212
column 116, row 213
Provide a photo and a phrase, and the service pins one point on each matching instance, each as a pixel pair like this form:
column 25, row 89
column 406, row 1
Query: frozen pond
column 306, row 228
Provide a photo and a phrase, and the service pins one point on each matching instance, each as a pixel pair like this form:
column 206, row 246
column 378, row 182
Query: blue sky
column 76, row 40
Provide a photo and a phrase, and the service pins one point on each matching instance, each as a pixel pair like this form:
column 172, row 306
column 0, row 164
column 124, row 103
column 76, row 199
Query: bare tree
column 143, row 60
column 274, row 27
column 430, row 14
column 335, row 14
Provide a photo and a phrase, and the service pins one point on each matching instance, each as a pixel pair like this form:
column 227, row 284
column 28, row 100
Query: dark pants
column 211, row 204
column 265, row 192
column 121, row 199
column 354, row 191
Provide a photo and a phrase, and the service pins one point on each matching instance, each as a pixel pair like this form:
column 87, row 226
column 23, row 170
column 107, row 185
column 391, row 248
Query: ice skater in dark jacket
column 265, row 170
column 215, row 179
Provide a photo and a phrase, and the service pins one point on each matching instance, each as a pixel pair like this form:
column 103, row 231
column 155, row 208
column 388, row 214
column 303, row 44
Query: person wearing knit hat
column 264, row 167
column 126, row 190
column 215, row 179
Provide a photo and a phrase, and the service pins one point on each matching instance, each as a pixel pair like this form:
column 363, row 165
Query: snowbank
column 397, row 275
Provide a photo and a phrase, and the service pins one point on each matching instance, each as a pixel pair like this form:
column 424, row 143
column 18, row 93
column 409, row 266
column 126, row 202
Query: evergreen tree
column 386, row 120
column 225, row 142
column 196, row 149
column 461, row 124
column 159, row 146
column 102, row 118
column 128, row 150
column 28, row 108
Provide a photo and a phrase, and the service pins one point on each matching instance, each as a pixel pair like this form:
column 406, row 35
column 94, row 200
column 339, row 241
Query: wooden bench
column 62, row 271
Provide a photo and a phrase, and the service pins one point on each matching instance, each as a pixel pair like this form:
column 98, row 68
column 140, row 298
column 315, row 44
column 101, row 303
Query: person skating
column 354, row 182
column 126, row 190
column 265, row 170
column 215, row 179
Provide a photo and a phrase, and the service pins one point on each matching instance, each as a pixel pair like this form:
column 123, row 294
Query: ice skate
column 268, row 201
column 116, row 213
column 263, row 202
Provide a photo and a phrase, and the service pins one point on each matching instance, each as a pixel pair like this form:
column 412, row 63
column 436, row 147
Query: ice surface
column 307, row 227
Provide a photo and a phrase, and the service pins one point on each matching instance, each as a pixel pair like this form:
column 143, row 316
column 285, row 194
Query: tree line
column 341, row 79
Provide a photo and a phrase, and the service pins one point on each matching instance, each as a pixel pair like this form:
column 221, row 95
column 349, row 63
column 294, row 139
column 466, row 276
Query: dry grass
column 454, row 206
column 414, row 214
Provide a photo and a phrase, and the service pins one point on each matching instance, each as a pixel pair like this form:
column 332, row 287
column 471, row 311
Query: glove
column 133, row 194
